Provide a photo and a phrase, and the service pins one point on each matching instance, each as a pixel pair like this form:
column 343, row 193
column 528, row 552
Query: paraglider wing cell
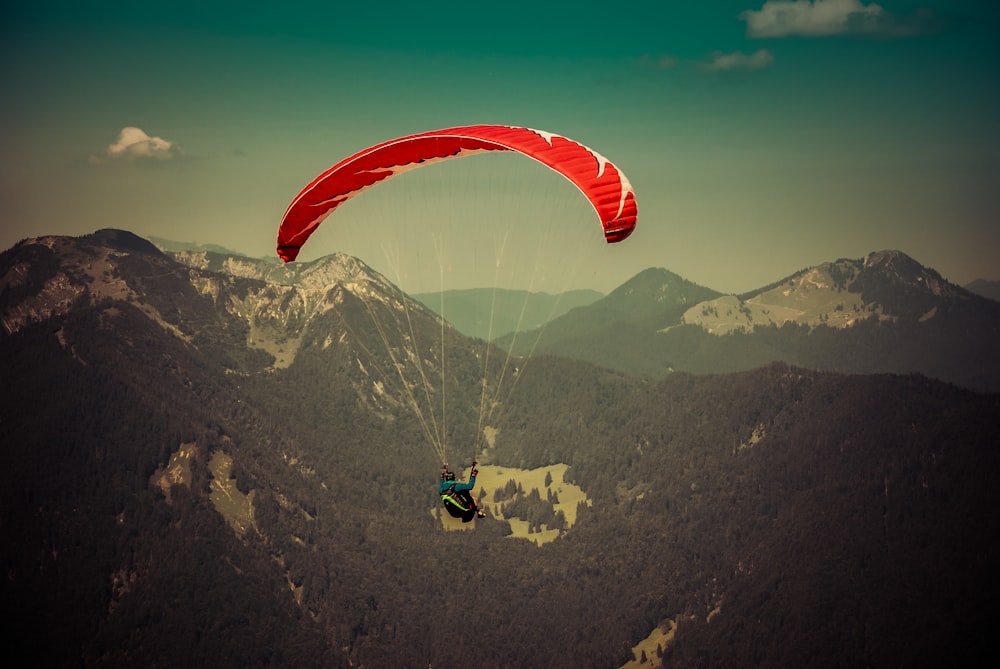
column 607, row 189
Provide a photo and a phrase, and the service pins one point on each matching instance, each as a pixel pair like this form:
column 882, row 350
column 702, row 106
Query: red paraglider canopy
column 608, row 190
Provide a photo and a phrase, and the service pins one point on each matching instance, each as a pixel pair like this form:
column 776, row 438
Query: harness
column 449, row 496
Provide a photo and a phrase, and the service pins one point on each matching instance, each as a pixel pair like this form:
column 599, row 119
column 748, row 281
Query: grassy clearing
column 648, row 648
column 177, row 471
column 267, row 338
column 234, row 506
column 493, row 477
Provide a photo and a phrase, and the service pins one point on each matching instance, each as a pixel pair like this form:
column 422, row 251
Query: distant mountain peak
column 896, row 280
column 47, row 276
column 655, row 286
column 985, row 288
column 904, row 269
column 893, row 260
column 885, row 285
column 121, row 240
column 649, row 282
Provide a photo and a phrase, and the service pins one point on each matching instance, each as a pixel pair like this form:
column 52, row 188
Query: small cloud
column 661, row 62
column 737, row 60
column 822, row 18
column 134, row 143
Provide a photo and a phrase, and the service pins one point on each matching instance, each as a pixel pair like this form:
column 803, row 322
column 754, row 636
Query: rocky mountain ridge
column 835, row 294
column 275, row 304
column 654, row 323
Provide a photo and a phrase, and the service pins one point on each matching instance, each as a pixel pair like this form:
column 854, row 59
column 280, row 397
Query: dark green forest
column 831, row 519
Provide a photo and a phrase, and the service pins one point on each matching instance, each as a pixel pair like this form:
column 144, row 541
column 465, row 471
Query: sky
column 760, row 137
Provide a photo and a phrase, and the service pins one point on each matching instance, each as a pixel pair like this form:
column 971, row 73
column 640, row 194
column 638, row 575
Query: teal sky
column 760, row 137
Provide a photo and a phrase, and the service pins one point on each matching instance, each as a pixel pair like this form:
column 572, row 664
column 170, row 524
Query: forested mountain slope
column 816, row 519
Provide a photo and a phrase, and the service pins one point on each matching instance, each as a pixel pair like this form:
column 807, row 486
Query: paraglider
column 457, row 497
column 605, row 187
column 603, row 184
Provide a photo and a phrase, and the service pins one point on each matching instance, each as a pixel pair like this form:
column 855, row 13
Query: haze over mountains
column 210, row 459
column 990, row 289
column 489, row 313
column 880, row 313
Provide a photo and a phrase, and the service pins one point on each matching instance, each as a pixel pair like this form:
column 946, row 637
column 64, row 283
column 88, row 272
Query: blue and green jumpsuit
column 457, row 498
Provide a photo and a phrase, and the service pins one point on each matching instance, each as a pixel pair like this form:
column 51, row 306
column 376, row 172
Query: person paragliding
column 457, row 497
column 599, row 180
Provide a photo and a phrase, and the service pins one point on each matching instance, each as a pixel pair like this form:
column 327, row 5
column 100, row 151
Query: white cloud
column 135, row 143
column 666, row 62
column 661, row 62
column 658, row 62
column 737, row 60
column 815, row 18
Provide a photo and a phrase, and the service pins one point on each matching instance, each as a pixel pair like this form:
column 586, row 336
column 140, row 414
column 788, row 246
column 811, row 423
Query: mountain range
column 210, row 459
column 880, row 313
